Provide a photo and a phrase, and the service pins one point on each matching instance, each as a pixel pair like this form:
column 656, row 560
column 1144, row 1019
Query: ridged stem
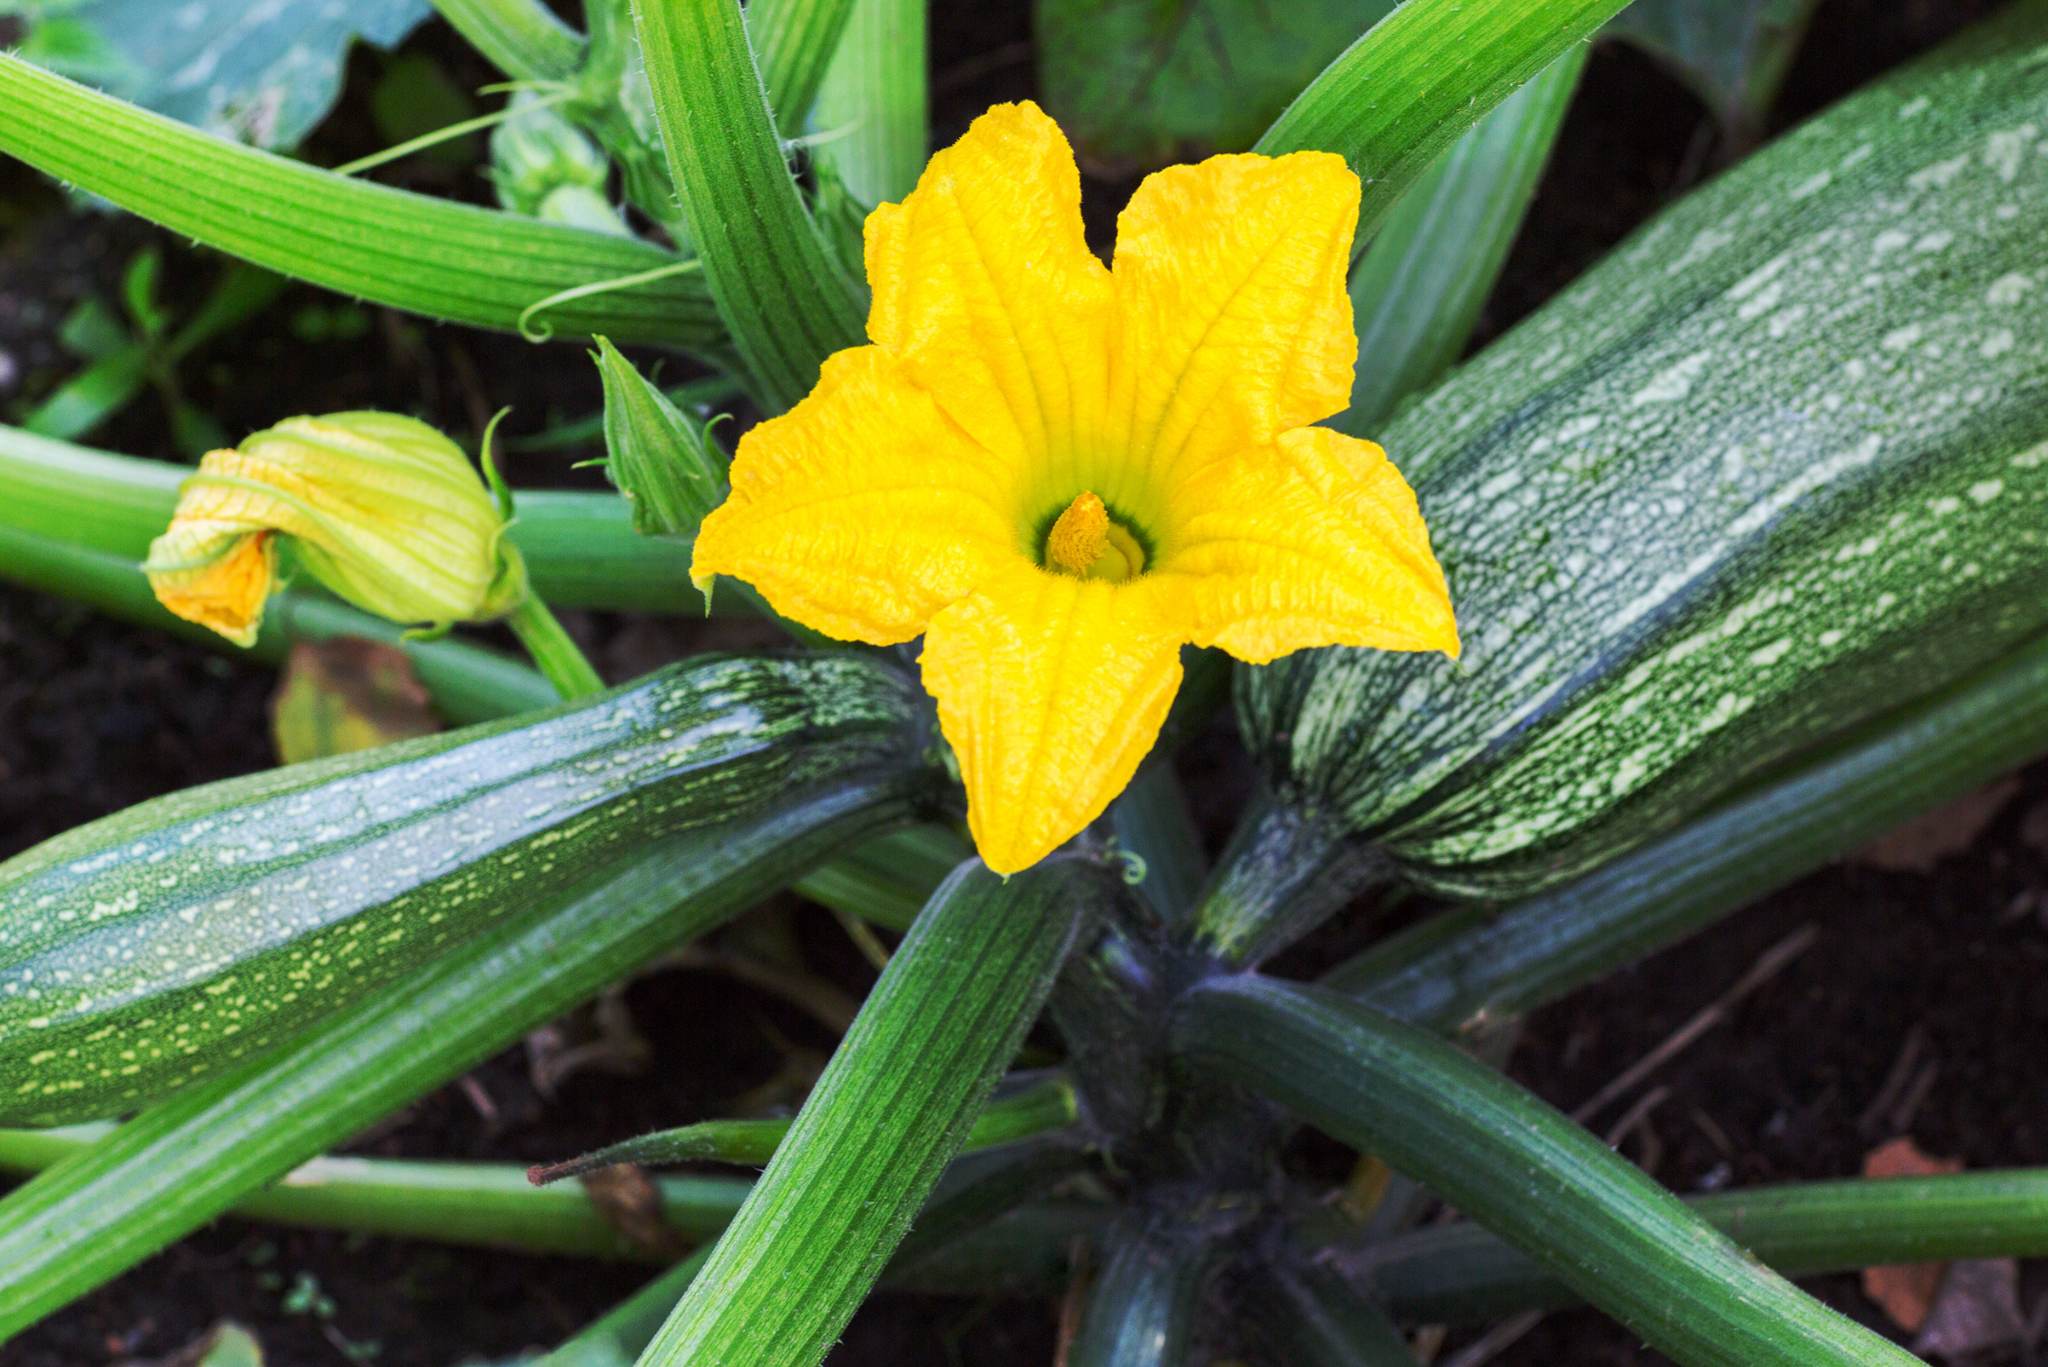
column 554, row 652
column 522, row 38
column 1513, row 1163
column 873, row 103
column 1142, row 1307
column 1451, row 60
column 1288, row 868
column 1460, row 1274
column 892, row 1108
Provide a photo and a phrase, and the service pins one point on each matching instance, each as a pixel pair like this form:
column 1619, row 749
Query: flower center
column 1086, row 542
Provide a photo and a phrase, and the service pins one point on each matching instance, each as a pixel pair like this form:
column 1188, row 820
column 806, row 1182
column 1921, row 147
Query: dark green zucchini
column 1777, row 465
column 154, row 947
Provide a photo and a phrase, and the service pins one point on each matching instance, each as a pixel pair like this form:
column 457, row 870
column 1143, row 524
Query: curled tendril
column 541, row 332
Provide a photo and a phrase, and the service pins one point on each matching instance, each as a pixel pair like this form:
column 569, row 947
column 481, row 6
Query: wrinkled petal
column 1315, row 540
column 216, row 574
column 1051, row 688
column 1232, row 323
column 863, row 510
column 985, row 290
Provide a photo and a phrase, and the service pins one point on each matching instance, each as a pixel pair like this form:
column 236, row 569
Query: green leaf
column 892, row 1108
column 181, row 1163
column 522, row 38
column 1514, row 1164
column 1146, row 82
column 1452, row 61
column 1460, row 1274
column 390, row 246
column 783, row 296
column 1733, row 53
column 1459, row 966
column 262, row 74
column 1419, row 289
column 872, row 110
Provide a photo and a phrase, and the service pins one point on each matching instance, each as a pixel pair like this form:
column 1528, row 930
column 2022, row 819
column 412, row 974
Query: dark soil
column 96, row 716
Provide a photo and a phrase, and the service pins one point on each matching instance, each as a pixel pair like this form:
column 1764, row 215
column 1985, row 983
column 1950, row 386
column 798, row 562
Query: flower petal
column 862, row 511
column 1232, row 322
column 1051, row 688
column 984, row 287
column 1314, row 540
column 217, row 574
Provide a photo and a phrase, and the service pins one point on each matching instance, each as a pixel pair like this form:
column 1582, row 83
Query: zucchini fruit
column 159, row 945
column 1778, row 464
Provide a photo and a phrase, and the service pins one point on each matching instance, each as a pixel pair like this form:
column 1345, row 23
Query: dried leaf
column 347, row 694
column 1922, row 843
column 1977, row 1311
column 2034, row 827
column 1906, row 1291
column 630, row 1203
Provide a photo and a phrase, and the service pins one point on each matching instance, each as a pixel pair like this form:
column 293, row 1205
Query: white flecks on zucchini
column 1778, row 465
column 161, row 944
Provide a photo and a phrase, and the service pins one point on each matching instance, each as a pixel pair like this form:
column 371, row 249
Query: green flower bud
column 662, row 459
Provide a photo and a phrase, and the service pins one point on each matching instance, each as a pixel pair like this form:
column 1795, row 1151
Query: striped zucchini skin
column 1778, row 464
column 159, row 945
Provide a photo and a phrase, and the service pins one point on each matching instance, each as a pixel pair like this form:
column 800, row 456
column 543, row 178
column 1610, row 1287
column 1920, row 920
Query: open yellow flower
column 1060, row 473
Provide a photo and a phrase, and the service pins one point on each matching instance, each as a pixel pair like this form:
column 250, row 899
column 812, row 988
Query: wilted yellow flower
column 380, row 508
column 1060, row 473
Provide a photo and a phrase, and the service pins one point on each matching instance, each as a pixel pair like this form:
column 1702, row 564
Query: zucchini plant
column 1745, row 536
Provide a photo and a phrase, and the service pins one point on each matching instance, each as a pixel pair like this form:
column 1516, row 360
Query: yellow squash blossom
column 1060, row 473
column 382, row 509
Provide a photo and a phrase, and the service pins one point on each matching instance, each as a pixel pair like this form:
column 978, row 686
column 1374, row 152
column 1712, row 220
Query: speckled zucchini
column 1778, row 464
column 159, row 945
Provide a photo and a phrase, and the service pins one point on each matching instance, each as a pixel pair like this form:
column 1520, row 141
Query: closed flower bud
column 537, row 151
column 661, row 458
column 381, row 509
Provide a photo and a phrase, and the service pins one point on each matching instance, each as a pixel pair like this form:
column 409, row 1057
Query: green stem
column 1036, row 1109
column 888, row 880
column 487, row 1205
column 794, row 41
column 522, row 38
column 783, row 299
column 1309, row 1315
column 1142, row 1308
column 1288, row 868
column 891, row 1109
column 560, row 660
column 397, row 151
column 468, row 683
column 876, row 92
column 1451, row 60
column 1461, row 1274
column 1513, row 1163
column 1466, row 965
column 1420, row 288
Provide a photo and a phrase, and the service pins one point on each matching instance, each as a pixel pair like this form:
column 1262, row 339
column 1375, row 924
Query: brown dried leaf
column 1906, row 1291
column 1977, row 1311
column 346, row 694
column 1922, row 843
column 630, row 1203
